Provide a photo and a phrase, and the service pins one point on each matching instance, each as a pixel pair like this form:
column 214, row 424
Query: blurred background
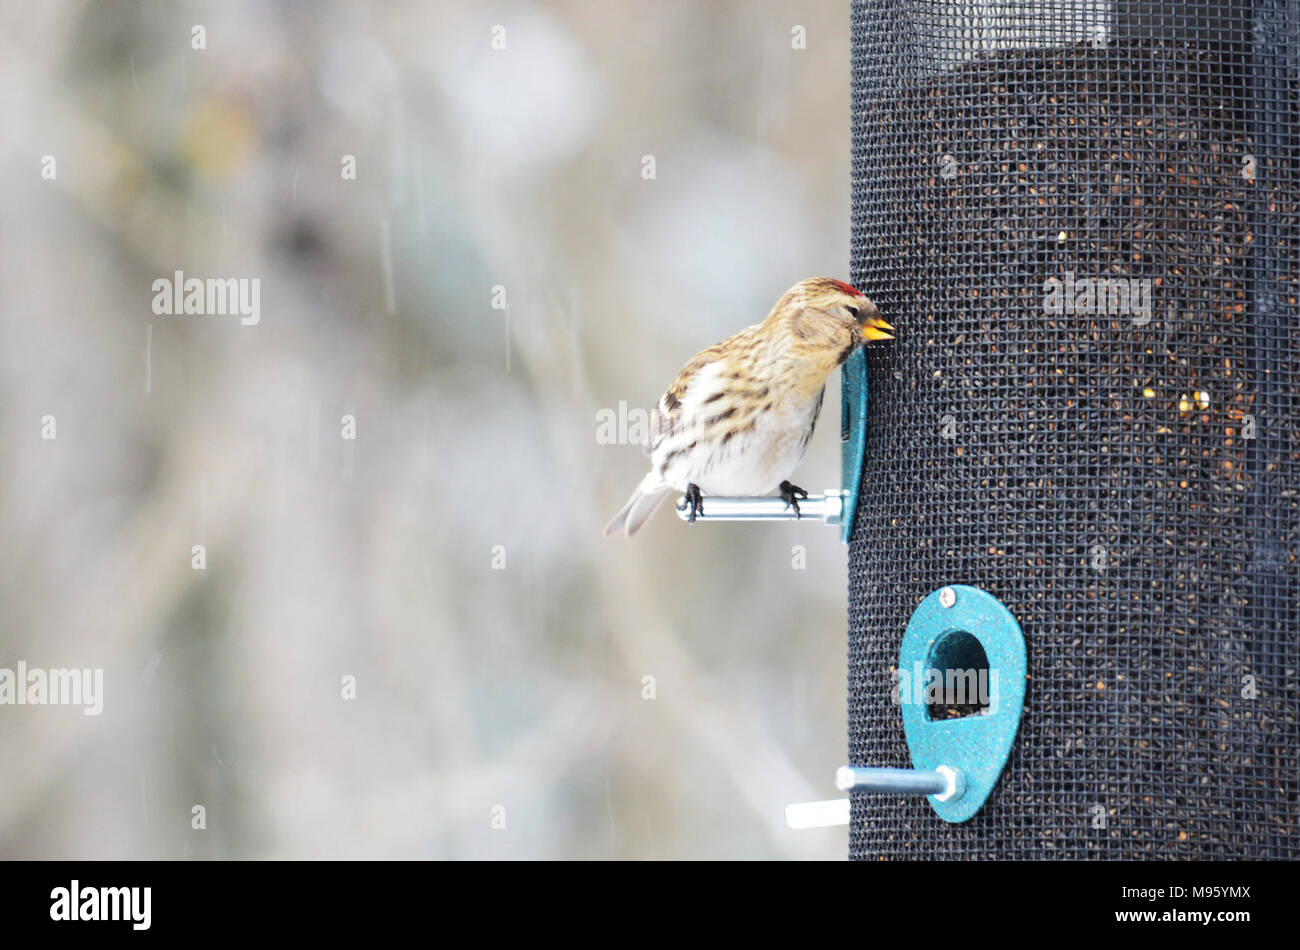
column 628, row 183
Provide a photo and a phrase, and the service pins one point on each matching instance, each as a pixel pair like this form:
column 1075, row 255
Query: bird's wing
column 667, row 417
column 817, row 411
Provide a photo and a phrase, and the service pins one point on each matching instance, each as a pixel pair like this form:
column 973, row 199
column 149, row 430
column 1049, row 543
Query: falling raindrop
column 386, row 261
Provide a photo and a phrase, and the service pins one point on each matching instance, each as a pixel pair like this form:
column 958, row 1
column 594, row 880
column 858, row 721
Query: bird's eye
column 855, row 313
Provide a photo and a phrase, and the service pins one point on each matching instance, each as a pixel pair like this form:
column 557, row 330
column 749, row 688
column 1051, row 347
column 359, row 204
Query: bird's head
column 825, row 320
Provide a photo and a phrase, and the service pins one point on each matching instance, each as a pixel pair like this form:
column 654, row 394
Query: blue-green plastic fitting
column 955, row 762
column 978, row 745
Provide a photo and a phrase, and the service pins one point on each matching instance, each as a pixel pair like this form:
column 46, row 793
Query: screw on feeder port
column 944, row 783
column 947, row 597
column 824, row 509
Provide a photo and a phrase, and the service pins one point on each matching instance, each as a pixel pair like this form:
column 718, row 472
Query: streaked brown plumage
column 740, row 414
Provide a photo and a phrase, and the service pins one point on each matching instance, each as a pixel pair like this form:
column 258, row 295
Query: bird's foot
column 790, row 494
column 694, row 502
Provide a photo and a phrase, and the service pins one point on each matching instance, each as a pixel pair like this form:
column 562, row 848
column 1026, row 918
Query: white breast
column 752, row 463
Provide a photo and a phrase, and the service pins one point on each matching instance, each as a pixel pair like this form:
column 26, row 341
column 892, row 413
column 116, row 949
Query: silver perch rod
column 824, row 509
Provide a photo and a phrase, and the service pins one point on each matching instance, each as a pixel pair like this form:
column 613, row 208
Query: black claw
column 790, row 494
column 694, row 501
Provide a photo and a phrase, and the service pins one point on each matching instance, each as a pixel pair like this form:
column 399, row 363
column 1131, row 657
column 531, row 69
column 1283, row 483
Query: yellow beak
column 877, row 329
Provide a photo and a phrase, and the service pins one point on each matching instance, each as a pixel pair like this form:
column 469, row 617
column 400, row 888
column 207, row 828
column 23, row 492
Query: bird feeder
column 1083, row 217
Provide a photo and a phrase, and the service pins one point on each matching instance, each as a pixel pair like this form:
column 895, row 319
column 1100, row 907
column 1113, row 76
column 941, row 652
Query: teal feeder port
column 853, row 435
column 972, row 641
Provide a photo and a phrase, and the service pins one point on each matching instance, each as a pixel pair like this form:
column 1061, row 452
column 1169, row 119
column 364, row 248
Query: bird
column 740, row 414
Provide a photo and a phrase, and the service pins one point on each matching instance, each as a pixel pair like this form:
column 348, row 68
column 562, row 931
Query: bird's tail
column 647, row 497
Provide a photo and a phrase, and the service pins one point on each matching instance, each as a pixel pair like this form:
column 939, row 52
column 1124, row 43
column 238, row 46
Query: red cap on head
column 846, row 288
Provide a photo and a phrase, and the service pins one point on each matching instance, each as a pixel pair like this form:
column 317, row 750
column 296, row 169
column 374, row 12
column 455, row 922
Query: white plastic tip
column 827, row 814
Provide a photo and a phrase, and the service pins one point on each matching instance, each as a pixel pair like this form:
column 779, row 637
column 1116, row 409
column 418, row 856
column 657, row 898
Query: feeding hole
column 963, row 686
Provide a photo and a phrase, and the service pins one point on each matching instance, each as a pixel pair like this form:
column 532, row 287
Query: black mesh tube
column 1083, row 219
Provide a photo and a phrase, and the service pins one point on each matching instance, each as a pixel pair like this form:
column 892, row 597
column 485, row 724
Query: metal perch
column 826, row 509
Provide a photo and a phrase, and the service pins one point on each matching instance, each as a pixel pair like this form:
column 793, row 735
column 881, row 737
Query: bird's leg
column 694, row 501
column 790, row 494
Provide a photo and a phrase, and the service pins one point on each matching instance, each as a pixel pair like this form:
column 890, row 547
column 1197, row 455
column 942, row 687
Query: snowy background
column 449, row 557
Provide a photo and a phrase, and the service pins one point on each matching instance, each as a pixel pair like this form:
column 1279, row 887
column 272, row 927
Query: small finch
column 740, row 414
